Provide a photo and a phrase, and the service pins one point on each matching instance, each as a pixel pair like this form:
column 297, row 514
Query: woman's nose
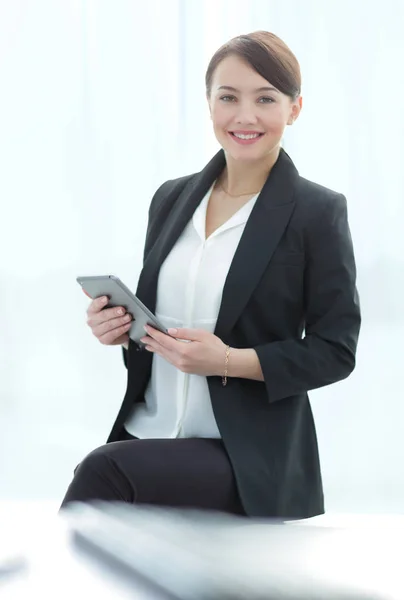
column 246, row 115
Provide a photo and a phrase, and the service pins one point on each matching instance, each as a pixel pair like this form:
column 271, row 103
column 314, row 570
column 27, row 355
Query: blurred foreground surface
column 118, row 551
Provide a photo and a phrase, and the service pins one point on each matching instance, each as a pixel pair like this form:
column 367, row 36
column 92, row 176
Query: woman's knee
column 94, row 461
column 98, row 477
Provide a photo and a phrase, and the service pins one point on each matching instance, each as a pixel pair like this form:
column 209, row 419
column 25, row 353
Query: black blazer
column 291, row 294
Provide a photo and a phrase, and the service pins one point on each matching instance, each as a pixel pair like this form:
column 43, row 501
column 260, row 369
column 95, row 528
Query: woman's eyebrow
column 261, row 89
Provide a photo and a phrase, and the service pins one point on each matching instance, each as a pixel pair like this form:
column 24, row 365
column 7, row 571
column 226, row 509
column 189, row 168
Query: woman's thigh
column 191, row 472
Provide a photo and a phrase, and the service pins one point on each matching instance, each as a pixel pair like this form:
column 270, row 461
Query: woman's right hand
column 109, row 325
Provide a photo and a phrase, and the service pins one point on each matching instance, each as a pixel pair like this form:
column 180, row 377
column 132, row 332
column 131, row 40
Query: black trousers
column 185, row 472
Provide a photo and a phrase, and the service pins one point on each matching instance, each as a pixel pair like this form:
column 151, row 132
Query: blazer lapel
column 183, row 209
column 263, row 232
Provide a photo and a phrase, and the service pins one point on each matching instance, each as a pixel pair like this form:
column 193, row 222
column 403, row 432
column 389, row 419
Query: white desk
column 36, row 533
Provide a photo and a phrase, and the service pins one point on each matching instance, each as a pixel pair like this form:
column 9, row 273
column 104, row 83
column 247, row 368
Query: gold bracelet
column 226, row 364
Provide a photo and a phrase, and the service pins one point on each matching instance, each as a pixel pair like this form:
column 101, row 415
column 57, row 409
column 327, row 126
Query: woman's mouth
column 246, row 137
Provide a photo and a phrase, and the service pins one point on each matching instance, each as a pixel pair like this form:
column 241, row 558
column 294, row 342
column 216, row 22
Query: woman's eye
column 263, row 100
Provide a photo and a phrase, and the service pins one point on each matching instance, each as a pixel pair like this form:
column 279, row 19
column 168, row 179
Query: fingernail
column 119, row 311
column 146, row 328
column 172, row 331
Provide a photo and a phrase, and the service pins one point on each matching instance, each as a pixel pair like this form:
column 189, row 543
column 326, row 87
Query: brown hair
column 268, row 55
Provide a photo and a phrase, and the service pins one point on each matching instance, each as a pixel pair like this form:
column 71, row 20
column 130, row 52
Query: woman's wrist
column 244, row 363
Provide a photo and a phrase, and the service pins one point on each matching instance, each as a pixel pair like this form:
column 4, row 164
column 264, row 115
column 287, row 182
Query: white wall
column 99, row 103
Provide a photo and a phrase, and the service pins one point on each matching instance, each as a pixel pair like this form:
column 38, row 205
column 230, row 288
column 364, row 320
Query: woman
column 252, row 268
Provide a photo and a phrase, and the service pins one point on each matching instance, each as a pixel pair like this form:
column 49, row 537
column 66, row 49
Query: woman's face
column 249, row 115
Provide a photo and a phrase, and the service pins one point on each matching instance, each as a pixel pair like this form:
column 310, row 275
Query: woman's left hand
column 202, row 354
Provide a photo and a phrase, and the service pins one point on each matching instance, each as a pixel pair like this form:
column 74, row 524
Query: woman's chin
column 244, row 157
column 250, row 155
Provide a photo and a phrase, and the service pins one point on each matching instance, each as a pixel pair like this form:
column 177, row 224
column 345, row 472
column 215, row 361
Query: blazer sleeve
column 147, row 244
column 162, row 200
column 332, row 312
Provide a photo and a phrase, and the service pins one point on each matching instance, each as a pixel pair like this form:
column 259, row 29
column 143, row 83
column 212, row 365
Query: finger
column 149, row 341
column 161, row 338
column 184, row 333
column 100, row 329
column 97, row 305
column 105, row 315
column 110, row 336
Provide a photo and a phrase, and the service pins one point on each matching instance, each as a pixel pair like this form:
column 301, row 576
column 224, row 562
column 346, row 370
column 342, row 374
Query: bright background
column 100, row 102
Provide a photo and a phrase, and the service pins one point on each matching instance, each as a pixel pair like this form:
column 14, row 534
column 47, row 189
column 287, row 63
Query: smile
column 245, row 137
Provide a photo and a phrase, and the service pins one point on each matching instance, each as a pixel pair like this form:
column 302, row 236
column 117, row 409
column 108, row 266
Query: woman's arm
column 327, row 352
column 332, row 314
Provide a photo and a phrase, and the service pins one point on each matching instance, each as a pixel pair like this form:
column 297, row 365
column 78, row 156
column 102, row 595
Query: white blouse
column 189, row 294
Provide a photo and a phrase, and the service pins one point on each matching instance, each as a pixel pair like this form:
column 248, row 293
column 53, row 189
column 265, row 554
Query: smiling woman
column 253, row 265
column 253, row 89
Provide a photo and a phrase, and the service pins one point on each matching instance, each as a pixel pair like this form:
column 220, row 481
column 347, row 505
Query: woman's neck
column 245, row 178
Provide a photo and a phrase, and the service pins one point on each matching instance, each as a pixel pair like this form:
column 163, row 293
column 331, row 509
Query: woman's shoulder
column 175, row 184
column 315, row 191
column 306, row 192
column 314, row 199
column 169, row 189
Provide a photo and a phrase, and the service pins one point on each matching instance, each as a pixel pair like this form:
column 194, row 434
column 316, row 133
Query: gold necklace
column 237, row 195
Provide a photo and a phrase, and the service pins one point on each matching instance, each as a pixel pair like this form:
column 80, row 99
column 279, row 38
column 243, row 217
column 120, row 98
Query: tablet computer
column 119, row 295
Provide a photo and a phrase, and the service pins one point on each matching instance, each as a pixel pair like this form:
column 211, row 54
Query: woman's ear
column 295, row 110
column 297, row 107
column 209, row 107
